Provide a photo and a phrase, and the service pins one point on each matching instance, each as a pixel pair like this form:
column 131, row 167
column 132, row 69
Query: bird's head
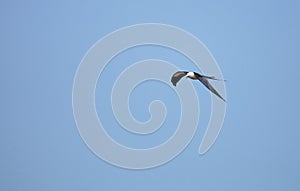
column 190, row 75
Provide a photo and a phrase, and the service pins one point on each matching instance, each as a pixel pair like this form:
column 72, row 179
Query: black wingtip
column 222, row 98
column 174, row 83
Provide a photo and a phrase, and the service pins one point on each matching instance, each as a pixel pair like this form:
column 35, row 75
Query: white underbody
column 191, row 75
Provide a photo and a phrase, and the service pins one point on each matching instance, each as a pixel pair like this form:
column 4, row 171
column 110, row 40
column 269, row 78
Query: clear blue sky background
column 256, row 44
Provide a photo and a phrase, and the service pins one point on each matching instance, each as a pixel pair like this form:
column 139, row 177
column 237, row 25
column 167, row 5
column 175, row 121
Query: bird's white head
column 190, row 75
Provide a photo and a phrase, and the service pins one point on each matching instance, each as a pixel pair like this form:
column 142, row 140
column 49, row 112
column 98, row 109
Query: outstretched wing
column 177, row 76
column 211, row 77
column 204, row 81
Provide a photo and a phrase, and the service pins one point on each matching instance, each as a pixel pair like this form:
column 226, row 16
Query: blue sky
column 255, row 43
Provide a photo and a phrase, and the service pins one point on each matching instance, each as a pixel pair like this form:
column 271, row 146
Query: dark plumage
column 195, row 76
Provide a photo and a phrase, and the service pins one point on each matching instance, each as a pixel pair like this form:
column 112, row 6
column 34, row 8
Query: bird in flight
column 195, row 76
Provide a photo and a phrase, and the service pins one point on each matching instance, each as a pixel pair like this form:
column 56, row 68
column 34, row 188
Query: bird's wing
column 177, row 76
column 211, row 78
column 205, row 82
